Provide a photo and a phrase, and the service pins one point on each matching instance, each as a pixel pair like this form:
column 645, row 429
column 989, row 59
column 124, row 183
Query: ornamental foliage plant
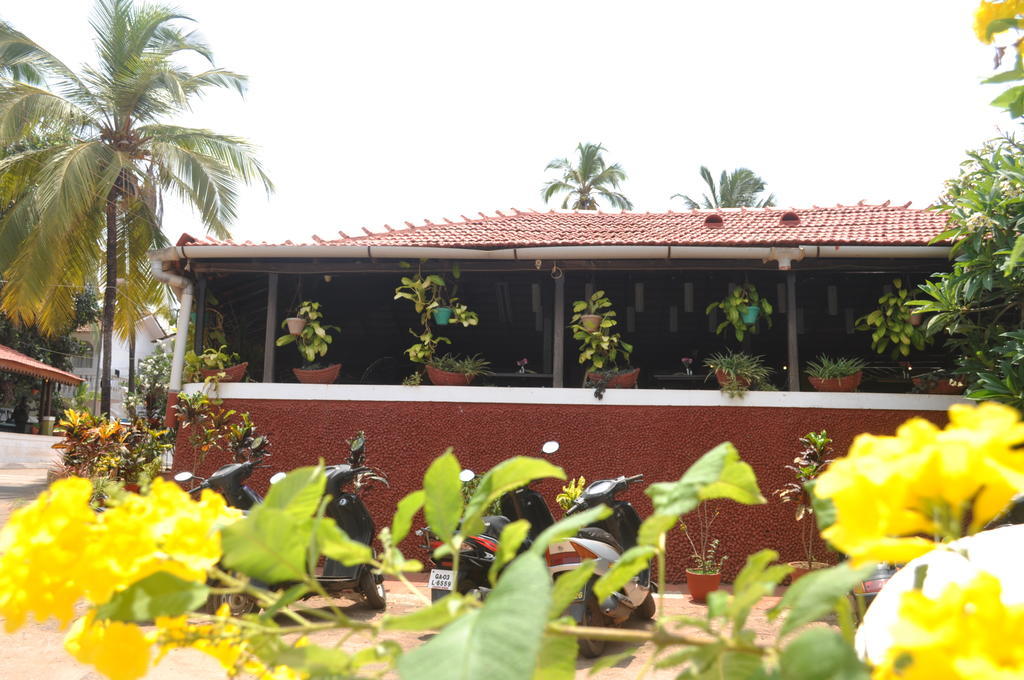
column 735, row 305
column 815, row 455
column 315, row 338
column 890, row 324
column 142, row 570
column 428, row 292
column 600, row 349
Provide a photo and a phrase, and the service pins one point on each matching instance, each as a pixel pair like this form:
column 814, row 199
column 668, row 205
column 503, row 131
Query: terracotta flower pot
column 802, row 567
column 439, row 377
column 622, row 380
column 702, row 584
column 847, row 383
column 943, row 386
column 916, row 318
column 231, row 373
column 295, row 324
column 591, row 322
column 722, row 379
column 317, row 376
column 130, row 486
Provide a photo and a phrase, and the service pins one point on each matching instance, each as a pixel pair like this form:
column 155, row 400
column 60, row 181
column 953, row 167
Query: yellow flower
column 966, row 633
column 895, row 495
column 988, row 12
column 121, row 651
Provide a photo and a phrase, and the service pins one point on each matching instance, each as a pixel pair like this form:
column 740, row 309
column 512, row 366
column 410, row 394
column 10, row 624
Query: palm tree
column 589, row 180
column 86, row 194
column 737, row 189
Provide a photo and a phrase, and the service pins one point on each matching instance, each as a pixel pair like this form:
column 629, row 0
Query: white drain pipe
column 183, row 284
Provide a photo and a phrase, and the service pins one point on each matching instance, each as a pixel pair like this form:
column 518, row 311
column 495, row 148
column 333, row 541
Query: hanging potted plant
column 588, row 312
column 214, row 365
column 601, row 348
column 743, row 308
column 891, row 325
column 835, row 375
column 453, row 370
column 810, row 462
column 295, row 324
column 312, row 342
column 704, row 575
column 738, row 372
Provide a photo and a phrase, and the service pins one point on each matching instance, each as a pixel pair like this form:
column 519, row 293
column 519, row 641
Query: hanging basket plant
column 743, row 308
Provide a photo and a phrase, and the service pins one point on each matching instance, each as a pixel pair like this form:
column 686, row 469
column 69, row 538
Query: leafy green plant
column 735, row 304
column 210, row 360
column 95, row 447
column 814, row 457
column 427, row 293
column 471, row 366
column 827, row 368
column 570, row 492
column 706, row 556
column 741, row 372
column 890, row 324
column 149, row 400
column 602, row 348
column 315, row 338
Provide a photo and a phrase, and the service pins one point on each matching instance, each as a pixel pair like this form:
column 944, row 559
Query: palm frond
column 235, row 152
column 29, row 111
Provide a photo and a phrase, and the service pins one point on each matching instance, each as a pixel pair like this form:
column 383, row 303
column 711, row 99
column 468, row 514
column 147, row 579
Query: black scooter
column 345, row 508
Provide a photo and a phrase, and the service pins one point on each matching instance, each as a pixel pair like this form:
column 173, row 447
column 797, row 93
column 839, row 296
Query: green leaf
column 653, row 527
column 569, row 584
column 383, row 652
column 505, row 476
column 631, row 563
column 512, row 536
column 299, row 493
column 284, row 599
column 318, row 662
column 159, row 594
column 337, row 545
column 435, row 617
column 407, row 508
column 284, row 340
column 998, row 26
column 821, row 654
column 443, row 495
column 557, row 660
column 568, row 526
column 501, row 641
column 824, row 508
column 269, row 544
column 815, row 594
column 719, row 473
column 1008, row 97
column 756, row 579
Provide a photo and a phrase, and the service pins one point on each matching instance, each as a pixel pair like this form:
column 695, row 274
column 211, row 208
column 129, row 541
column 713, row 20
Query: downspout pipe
column 184, row 286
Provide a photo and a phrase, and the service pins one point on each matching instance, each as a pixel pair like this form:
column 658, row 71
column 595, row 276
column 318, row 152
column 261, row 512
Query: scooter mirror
column 278, row 476
column 550, row 447
column 467, row 475
column 183, row 476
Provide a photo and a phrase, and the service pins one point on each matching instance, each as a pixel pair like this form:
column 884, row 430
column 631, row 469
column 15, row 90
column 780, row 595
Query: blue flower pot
column 750, row 314
column 442, row 315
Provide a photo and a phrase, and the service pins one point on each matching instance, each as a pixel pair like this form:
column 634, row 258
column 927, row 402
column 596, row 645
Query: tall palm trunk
column 109, row 296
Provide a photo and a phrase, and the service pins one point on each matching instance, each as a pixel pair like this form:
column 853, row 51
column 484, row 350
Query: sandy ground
column 35, row 652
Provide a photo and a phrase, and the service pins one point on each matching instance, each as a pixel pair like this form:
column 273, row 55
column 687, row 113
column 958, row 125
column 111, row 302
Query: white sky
column 378, row 112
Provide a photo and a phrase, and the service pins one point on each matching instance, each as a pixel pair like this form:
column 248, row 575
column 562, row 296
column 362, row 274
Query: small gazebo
column 12, row 361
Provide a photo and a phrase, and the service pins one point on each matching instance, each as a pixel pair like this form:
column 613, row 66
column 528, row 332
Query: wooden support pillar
column 197, row 338
column 558, row 335
column 268, row 337
column 792, row 356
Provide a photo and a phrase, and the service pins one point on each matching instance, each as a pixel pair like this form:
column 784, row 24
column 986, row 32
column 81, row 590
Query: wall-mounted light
column 327, row 278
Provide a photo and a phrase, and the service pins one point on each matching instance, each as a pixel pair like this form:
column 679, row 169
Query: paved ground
column 36, row 652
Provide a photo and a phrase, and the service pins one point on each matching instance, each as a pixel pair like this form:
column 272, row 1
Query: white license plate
column 440, row 579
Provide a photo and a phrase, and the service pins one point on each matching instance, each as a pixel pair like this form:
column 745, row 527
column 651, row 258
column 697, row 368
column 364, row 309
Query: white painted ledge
column 579, row 396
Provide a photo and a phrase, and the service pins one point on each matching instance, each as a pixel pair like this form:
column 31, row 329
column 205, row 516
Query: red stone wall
column 596, row 441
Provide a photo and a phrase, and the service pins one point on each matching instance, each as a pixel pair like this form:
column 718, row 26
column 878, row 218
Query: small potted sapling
column 705, row 571
column 814, row 457
column 312, row 342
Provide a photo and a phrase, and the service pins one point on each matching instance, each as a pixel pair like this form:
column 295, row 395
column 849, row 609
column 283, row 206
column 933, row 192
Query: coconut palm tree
column 737, row 189
column 94, row 153
column 587, row 181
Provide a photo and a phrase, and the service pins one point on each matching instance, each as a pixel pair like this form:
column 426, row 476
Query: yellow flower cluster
column 894, row 496
column 988, row 12
column 966, row 633
column 57, row 550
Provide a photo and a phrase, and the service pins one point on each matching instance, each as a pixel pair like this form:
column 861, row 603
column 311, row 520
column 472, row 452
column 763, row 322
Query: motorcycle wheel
column 373, row 591
column 592, row 616
column 647, row 609
column 238, row 603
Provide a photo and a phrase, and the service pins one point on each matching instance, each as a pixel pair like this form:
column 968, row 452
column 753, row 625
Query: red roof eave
column 16, row 362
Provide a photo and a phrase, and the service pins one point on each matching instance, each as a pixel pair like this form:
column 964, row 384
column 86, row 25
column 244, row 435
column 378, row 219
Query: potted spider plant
column 454, row 370
column 705, row 573
column 738, row 372
column 312, row 342
column 842, row 374
column 602, row 348
column 214, row 365
column 814, row 457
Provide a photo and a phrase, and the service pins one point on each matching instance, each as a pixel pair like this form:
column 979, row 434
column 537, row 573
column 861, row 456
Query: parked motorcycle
column 345, row 508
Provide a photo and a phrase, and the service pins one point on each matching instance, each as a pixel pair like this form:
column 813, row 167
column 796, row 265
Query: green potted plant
column 842, row 374
column 425, row 294
column 704, row 575
column 939, row 381
column 743, row 308
column 814, row 457
column 454, row 370
column 738, row 372
column 214, row 365
column 601, row 348
column 891, row 325
column 312, row 342
column 588, row 312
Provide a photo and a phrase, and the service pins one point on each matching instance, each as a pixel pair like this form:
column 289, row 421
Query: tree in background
column 740, row 188
column 587, row 181
column 87, row 197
